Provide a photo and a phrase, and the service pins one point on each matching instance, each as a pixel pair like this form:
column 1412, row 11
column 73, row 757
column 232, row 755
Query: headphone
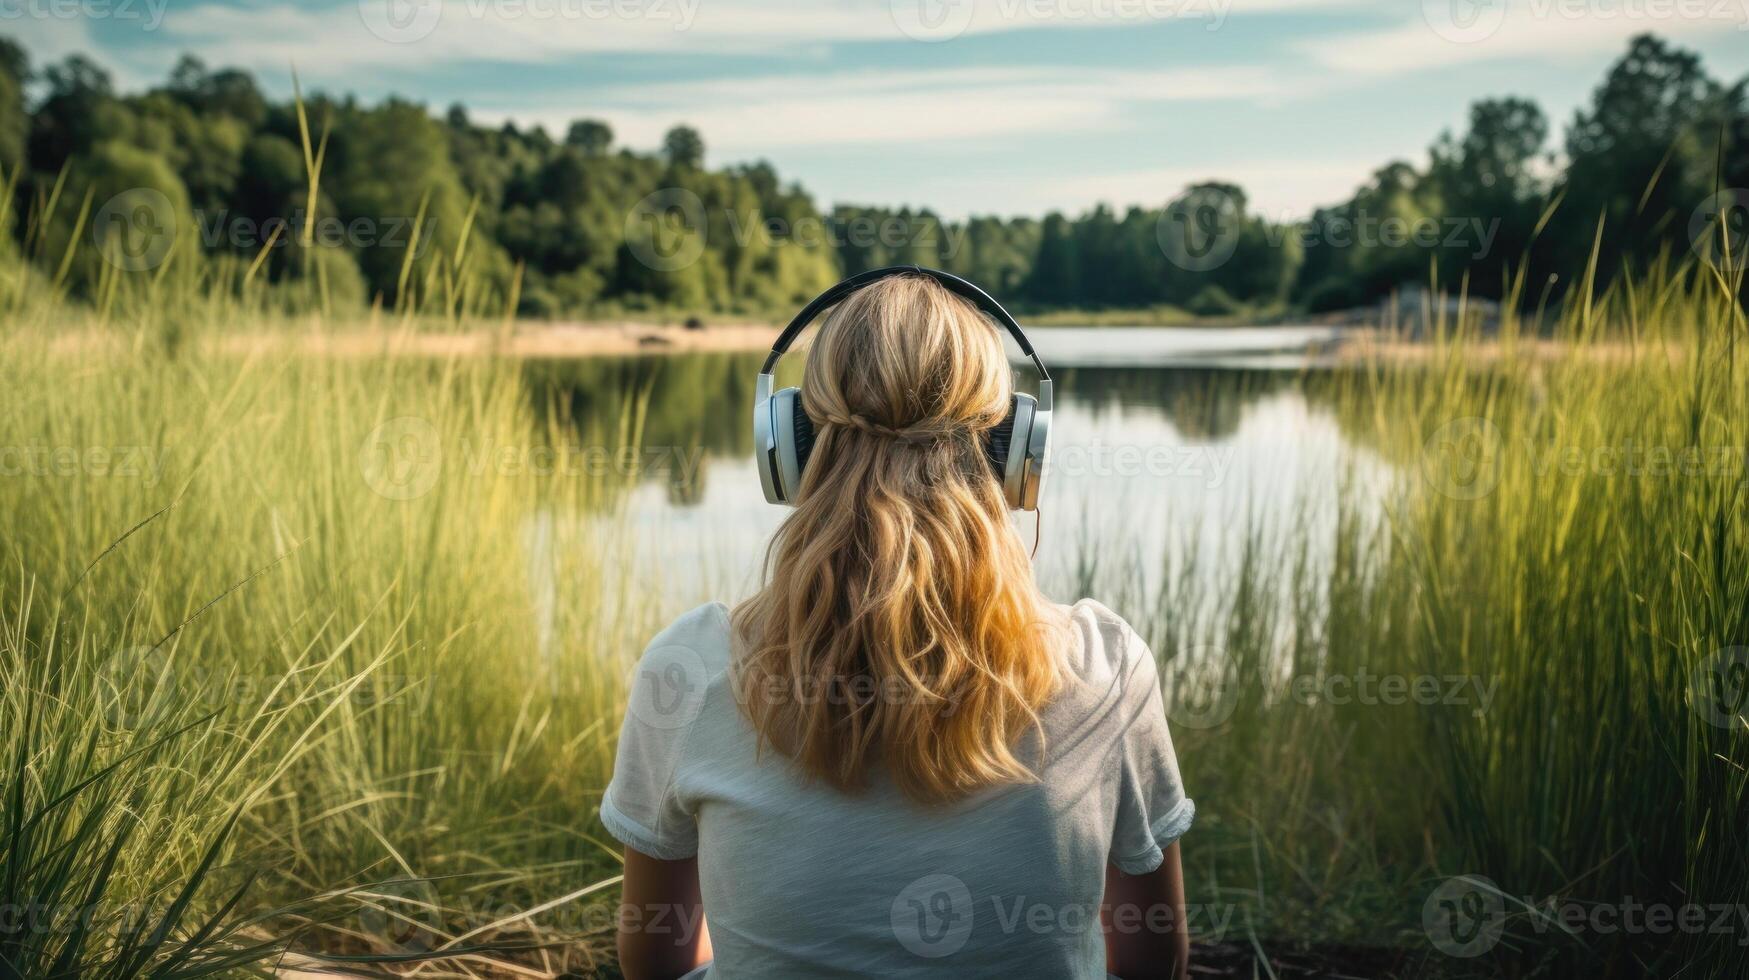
column 783, row 434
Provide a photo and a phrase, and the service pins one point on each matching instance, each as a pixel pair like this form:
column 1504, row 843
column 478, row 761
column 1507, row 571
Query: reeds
column 319, row 575
column 1563, row 561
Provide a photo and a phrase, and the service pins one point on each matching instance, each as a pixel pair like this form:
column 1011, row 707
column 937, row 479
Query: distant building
column 1417, row 312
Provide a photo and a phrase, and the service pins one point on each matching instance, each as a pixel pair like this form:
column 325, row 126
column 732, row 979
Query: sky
column 1003, row 107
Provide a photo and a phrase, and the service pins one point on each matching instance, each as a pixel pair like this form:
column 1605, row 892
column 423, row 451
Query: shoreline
column 565, row 341
column 529, row 342
column 365, row 339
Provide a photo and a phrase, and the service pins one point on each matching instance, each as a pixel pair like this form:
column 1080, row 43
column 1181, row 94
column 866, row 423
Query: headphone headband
column 783, row 435
column 952, row 283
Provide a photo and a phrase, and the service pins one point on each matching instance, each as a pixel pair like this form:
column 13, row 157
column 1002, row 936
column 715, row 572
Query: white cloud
column 336, row 40
column 752, row 115
column 50, row 39
column 1163, row 85
column 1450, row 33
column 941, row 20
column 358, row 34
column 755, row 117
column 1278, row 189
column 817, row 120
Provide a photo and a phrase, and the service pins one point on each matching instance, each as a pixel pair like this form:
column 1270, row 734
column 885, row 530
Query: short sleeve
column 642, row 807
column 1152, row 807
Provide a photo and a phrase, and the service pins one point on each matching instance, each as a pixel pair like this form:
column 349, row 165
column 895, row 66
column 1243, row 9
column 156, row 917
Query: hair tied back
column 918, row 434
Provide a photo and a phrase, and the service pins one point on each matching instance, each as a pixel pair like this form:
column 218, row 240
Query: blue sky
column 966, row 106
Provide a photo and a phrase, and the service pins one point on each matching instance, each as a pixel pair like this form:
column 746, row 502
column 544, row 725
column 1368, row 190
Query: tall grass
column 1567, row 539
column 331, row 630
column 383, row 645
column 1595, row 566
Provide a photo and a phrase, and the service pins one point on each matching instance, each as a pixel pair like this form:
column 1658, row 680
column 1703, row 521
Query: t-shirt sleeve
column 1152, row 807
column 642, row 807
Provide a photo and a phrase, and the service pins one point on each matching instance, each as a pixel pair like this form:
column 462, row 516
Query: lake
column 1168, row 444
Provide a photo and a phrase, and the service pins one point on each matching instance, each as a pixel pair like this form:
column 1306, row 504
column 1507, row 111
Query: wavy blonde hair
column 899, row 623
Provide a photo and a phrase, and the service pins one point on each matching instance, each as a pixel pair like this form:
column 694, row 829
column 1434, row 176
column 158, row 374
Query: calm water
column 1167, row 443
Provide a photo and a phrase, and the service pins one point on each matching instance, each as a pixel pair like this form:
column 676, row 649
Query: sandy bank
column 555, row 340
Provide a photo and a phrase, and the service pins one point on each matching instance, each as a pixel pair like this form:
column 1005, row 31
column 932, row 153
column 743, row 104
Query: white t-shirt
column 802, row 880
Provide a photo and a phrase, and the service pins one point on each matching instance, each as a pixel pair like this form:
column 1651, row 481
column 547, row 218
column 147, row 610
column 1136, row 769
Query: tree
column 13, row 59
column 206, row 148
column 1497, row 154
column 140, row 215
column 684, row 147
column 1645, row 149
column 78, row 111
column 593, row 137
column 1487, row 182
column 77, row 74
column 393, row 181
column 187, row 75
column 271, row 183
column 14, row 120
column 1356, row 253
column 1640, row 152
column 564, row 179
column 1056, row 274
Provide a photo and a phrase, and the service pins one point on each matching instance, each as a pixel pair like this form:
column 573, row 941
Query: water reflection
column 1150, row 465
column 700, row 404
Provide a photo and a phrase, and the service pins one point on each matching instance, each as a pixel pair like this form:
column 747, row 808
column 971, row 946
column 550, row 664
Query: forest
column 572, row 226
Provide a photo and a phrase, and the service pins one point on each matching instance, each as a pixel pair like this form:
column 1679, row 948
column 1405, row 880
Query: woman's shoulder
column 1106, row 648
column 693, row 649
column 705, row 626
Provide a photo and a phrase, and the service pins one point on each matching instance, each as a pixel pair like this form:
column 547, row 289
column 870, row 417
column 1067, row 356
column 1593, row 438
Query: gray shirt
column 802, row 880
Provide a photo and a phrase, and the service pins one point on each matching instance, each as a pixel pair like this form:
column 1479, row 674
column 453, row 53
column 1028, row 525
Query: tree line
column 388, row 203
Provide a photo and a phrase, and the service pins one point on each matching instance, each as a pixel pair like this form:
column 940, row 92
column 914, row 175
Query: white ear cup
column 1037, row 449
column 765, row 440
column 786, row 460
column 1036, row 455
column 777, row 457
column 1019, row 459
column 1014, row 464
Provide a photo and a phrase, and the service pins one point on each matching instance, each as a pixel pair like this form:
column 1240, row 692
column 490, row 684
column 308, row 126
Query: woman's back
column 803, row 879
column 898, row 757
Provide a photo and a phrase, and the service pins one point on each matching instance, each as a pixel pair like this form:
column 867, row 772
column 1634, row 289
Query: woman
column 899, row 758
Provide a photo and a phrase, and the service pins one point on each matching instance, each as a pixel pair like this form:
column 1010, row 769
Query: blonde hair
column 899, row 623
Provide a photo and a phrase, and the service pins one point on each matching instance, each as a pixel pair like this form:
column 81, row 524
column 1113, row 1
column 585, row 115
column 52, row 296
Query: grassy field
column 1564, row 563
column 250, row 582
column 292, row 656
